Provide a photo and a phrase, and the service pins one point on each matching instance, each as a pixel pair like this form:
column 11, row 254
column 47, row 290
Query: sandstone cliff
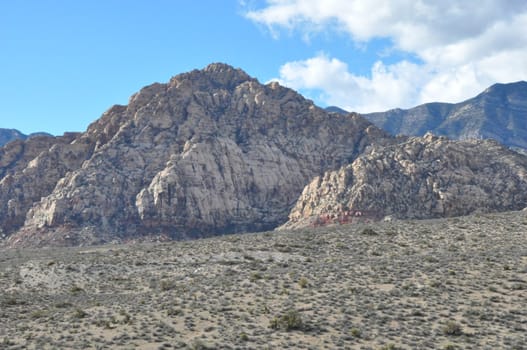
column 29, row 170
column 212, row 151
column 424, row 177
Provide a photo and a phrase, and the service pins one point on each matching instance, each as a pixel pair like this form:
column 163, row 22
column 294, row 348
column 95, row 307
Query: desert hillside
column 458, row 283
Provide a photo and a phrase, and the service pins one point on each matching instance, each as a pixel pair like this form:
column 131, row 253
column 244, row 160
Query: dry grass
column 444, row 284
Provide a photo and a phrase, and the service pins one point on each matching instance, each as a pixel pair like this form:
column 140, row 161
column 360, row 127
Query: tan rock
column 422, row 178
column 212, row 151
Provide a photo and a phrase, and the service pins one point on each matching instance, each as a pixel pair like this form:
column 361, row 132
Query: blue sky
column 63, row 63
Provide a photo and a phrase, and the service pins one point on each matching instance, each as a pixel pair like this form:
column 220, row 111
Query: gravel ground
column 457, row 283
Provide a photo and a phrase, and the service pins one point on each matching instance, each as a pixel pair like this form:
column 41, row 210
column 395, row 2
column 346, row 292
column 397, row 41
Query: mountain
column 212, row 151
column 423, row 177
column 8, row 135
column 335, row 109
column 499, row 113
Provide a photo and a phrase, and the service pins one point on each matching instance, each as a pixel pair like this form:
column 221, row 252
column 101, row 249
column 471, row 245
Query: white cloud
column 388, row 86
column 463, row 46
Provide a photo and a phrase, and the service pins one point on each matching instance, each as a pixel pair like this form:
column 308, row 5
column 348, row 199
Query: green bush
column 355, row 332
column 75, row 289
column 303, row 282
column 289, row 321
column 79, row 313
column 369, row 232
column 389, row 347
column 255, row 276
column 452, row 328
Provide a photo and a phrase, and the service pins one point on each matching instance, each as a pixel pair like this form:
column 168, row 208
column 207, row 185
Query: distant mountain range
column 499, row 113
column 8, row 135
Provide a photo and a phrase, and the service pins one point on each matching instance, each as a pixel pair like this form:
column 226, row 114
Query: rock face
column 213, row 151
column 498, row 113
column 424, row 177
column 29, row 170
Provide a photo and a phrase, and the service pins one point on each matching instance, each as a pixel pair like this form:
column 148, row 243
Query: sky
column 63, row 63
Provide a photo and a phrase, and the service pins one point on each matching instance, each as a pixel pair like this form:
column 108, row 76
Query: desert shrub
column 355, row 332
column 199, row 345
column 255, row 276
column 7, row 342
column 63, row 305
column 452, row 328
column 79, row 313
column 303, row 282
column 75, row 289
column 166, row 285
column 369, row 232
column 126, row 318
column 289, row 321
column 11, row 301
column 39, row 314
column 174, row 312
column 390, row 346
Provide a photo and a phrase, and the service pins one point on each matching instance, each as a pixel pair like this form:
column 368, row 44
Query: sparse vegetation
column 452, row 328
column 313, row 288
column 390, row 346
column 355, row 332
column 76, row 289
column 290, row 320
column 368, row 231
column 79, row 313
column 303, row 282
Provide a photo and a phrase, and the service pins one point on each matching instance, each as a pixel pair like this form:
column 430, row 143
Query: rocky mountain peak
column 214, row 76
column 211, row 151
column 519, row 87
column 226, row 72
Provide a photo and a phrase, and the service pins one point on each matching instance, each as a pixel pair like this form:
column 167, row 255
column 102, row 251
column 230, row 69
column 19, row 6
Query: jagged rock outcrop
column 29, row 170
column 499, row 113
column 424, row 177
column 212, row 151
column 16, row 155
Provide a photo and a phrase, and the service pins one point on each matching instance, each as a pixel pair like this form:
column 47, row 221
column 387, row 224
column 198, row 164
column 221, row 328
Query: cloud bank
column 462, row 47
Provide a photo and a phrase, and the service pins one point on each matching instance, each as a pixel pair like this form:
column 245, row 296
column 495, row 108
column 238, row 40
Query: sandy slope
column 459, row 283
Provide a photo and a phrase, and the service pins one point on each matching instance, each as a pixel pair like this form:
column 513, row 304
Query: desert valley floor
column 457, row 283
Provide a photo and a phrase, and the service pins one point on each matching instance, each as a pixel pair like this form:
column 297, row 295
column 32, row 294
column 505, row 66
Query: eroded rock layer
column 424, row 177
